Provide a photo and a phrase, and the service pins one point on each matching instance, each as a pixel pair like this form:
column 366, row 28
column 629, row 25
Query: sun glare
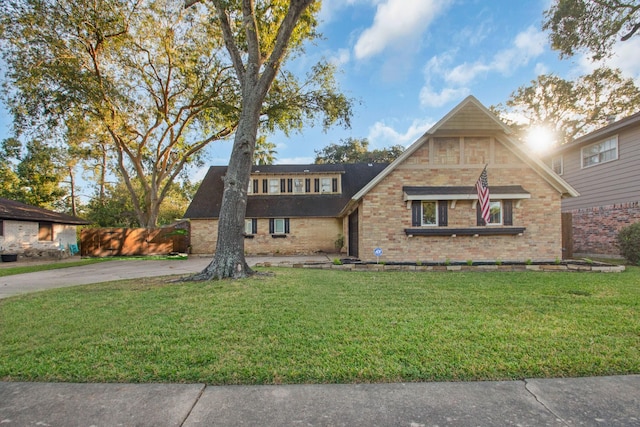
column 540, row 139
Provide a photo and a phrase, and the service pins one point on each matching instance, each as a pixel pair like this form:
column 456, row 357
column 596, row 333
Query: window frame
column 298, row 186
column 499, row 204
column 435, row 211
column 554, row 163
column 599, row 154
column 274, row 186
column 250, row 226
column 326, row 185
column 48, row 228
column 273, row 227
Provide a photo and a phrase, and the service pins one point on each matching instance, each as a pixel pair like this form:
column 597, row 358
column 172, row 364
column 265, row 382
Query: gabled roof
column 470, row 116
column 10, row 209
column 601, row 133
column 208, row 199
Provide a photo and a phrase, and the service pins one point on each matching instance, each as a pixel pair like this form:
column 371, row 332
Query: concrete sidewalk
column 600, row 401
column 120, row 270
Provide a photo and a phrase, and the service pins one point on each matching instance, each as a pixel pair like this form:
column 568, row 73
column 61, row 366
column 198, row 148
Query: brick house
column 32, row 231
column 604, row 167
column 421, row 207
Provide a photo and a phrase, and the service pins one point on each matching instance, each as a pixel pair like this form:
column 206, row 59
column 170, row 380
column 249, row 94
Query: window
column 45, row 231
column 274, row 186
column 1, row 227
column 298, row 185
column 279, row 226
column 495, row 213
column 600, row 152
column 500, row 213
column 557, row 165
column 429, row 213
column 250, row 226
column 325, row 185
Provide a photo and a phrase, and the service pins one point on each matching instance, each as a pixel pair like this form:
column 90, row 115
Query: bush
column 629, row 243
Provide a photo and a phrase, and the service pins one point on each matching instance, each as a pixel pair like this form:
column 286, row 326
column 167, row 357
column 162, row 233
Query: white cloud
column 341, row 57
column 527, row 45
column 430, row 98
column 295, row 161
column 395, row 22
column 625, row 58
column 382, row 135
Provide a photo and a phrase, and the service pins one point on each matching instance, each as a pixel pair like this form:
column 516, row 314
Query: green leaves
column 592, row 26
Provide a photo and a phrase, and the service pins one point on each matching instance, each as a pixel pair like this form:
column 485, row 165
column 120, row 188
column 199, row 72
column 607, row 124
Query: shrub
column 629, row 243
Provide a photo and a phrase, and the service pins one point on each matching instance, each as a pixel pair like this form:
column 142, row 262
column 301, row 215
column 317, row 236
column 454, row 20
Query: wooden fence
column 105, row 242
column 567, row 235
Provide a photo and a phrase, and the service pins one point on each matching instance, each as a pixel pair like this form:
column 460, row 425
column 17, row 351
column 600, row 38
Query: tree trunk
column 229, row 260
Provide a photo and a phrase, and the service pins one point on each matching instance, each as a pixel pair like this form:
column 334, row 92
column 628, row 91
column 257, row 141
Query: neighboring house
column 421, row 207
column 33, row 231
column 604, row 167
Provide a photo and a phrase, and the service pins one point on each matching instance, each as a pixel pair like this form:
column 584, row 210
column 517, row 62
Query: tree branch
column 296, row 8
column 227, row 36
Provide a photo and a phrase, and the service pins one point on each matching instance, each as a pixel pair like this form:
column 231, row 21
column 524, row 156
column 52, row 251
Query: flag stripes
column 482, row 185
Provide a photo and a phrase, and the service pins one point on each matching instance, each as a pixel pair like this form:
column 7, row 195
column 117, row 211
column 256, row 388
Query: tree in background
column 31, row 174
column 260, row 36
column 355, row 150
column 265, row 151
column 138, row 80
column 593, row 26
column 572, row 108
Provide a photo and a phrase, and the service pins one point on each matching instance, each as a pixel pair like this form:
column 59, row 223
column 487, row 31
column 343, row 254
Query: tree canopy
column 143, row 86
column 589, row 25
column 571, row 108
column 354, row 150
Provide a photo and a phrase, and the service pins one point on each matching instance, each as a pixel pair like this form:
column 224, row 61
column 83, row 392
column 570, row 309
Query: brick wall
column 595, row 230
column 22, row 237
column 306, row 236
column 384, row 215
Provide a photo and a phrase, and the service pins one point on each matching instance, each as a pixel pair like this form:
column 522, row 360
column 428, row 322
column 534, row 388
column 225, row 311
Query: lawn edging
column 572, row 266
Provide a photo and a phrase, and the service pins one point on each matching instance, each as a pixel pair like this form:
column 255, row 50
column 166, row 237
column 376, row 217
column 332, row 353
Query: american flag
column 482, row 185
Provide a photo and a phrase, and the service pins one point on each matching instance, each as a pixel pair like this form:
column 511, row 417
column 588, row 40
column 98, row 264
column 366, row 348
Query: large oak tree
column 259, row 37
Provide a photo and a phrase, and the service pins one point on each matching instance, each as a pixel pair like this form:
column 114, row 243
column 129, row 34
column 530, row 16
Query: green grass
column 22, row 269
column 319, row 326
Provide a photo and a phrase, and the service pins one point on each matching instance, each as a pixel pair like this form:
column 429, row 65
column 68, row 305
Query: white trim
column 537, row 165
column 602, row 141
column 474, row 196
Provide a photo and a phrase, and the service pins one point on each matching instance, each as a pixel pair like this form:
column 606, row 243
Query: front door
column 353, row 234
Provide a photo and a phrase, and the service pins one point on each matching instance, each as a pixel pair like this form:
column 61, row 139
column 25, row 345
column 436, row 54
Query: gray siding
column 614, row 182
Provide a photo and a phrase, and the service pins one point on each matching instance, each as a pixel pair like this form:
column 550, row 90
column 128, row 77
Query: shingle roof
column 206, row 203
column 10, row 209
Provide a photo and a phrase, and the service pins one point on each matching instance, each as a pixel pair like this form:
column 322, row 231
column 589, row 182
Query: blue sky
column 408, row 62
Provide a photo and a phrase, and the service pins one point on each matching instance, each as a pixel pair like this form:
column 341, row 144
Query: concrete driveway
column 119, row 270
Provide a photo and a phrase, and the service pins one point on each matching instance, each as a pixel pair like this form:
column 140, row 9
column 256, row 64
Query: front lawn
column 319, row 326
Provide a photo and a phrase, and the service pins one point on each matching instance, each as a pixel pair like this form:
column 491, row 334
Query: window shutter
column 316, row 185
column 307, row 185
column 254, row 225
column 479, row 220
column 290, row 185
column 255, row 186
column 416, row 211
column 443, row 212
column 507, row 212
column 334, row 185
column 283, row 185
column 271, row 226
column 265, row 186
column 286, row 225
